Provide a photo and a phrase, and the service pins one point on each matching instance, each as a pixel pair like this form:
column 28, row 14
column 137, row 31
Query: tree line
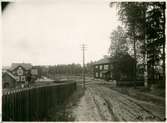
column 65, row 69
column 142, row 37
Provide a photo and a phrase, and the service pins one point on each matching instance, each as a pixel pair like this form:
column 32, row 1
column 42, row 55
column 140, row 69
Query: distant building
column 34, row 74
column 19, row 74
column 20, row 71
column 102, row 69
column 8, row 80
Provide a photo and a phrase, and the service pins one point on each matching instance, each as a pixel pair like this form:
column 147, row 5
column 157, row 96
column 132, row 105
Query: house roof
column 103, row 61
column 10, row 74
column 26, row 66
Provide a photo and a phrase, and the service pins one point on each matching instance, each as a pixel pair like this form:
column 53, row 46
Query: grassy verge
column 155, row 96
column 63, row 112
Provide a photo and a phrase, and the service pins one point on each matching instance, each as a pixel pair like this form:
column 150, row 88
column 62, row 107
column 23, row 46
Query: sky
column 49, row 33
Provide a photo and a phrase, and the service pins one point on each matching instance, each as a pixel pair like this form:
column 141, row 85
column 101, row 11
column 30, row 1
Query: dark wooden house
column 102, row 69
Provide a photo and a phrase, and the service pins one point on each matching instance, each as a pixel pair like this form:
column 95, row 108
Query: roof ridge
column 27, row 66
column 10, row 74
column 103, row 61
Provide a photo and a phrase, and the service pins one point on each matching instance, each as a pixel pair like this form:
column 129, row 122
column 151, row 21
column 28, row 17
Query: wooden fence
column 33, row 104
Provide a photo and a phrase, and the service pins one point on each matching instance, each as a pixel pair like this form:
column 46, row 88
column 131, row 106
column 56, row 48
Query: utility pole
column 83, row 70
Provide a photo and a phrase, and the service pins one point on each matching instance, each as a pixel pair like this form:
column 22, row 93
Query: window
column 105, row 67
column 97, row 75
column 101, row 67
column 101, row 75
column 6, row 85
column 96, row 67
column 34, row 72
column 20, row 71
column 23, row 78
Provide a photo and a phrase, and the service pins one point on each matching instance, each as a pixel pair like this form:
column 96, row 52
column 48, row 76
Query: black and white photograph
column 83, row 60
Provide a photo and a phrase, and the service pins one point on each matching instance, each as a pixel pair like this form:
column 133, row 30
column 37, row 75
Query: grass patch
column 155, row 96
column 73, row 102
column 63, row 112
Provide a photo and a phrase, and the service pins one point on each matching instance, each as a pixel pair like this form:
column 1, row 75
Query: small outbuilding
column 8, row 80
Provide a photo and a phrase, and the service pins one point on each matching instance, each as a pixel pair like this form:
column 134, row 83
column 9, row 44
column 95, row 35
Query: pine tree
column 155, row 31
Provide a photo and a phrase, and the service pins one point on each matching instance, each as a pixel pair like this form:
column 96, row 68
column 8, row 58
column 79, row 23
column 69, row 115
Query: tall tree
column 130, row 14
column 120, row 57
column 155, row 31
column 145, row 22
column 118, row 42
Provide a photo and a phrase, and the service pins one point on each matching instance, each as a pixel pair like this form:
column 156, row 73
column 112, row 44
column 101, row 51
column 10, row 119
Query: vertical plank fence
column 33, row 104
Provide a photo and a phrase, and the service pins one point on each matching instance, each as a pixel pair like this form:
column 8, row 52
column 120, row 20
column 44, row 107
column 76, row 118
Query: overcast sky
column 52, row 32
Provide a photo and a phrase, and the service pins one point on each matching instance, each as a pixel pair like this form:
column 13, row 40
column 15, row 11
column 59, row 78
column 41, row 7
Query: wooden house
column 19, row 75
column 8, row 80
column 102, row 69
column 21, row 71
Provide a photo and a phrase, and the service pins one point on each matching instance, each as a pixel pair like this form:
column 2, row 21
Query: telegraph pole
column 83, row 70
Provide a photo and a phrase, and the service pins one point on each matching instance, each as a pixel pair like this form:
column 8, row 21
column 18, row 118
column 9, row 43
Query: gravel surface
column 104, row 104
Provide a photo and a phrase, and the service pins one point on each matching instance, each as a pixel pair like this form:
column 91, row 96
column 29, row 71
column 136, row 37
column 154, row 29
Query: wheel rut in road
column 103, row 104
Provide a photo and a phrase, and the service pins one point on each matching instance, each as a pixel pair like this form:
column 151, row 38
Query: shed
column 8, row 80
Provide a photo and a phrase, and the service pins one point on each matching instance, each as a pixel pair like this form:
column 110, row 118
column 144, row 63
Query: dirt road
column 104, row 104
